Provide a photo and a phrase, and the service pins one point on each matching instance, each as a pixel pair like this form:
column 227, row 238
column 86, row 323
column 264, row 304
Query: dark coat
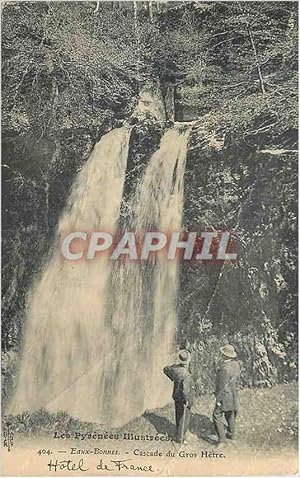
column 226, row 392
column 183, row 390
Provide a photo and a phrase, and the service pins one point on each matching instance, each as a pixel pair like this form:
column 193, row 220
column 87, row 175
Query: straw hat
column 229, row 351
column 184, row 356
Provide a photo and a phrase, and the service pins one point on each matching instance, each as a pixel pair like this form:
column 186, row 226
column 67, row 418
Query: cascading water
column 142, row 309
column 65, row 337
column 99, row 332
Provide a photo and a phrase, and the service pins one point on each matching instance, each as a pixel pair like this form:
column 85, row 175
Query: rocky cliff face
column 252, row 303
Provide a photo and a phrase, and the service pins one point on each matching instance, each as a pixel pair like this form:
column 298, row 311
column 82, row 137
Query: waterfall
column 64, row 335
column 99, row 332
column 142, row 309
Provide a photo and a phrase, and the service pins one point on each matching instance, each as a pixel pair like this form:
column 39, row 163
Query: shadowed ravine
column 97, row 332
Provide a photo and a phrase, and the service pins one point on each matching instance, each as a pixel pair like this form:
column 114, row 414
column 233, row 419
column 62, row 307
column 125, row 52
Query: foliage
column 67, row 67
column 60, row 72
column 236, row 61
column 42, row 422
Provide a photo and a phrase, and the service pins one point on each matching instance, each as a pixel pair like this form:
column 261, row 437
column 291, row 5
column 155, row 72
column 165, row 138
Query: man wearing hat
column 226, row 393
column 183, row 393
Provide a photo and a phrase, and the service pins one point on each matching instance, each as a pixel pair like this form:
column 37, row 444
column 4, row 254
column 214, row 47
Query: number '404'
column 44, row 452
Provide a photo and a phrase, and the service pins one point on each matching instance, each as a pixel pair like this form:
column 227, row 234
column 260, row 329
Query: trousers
column 182, row 418
column 218, row 419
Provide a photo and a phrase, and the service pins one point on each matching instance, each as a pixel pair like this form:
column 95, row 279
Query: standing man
column 183, row 393
column 226, row 394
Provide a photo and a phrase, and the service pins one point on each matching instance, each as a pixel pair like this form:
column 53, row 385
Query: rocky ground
column 267, row 419
column 266, row 441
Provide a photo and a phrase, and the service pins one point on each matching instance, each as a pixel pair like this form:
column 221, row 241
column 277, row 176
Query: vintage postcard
column 149, row 238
